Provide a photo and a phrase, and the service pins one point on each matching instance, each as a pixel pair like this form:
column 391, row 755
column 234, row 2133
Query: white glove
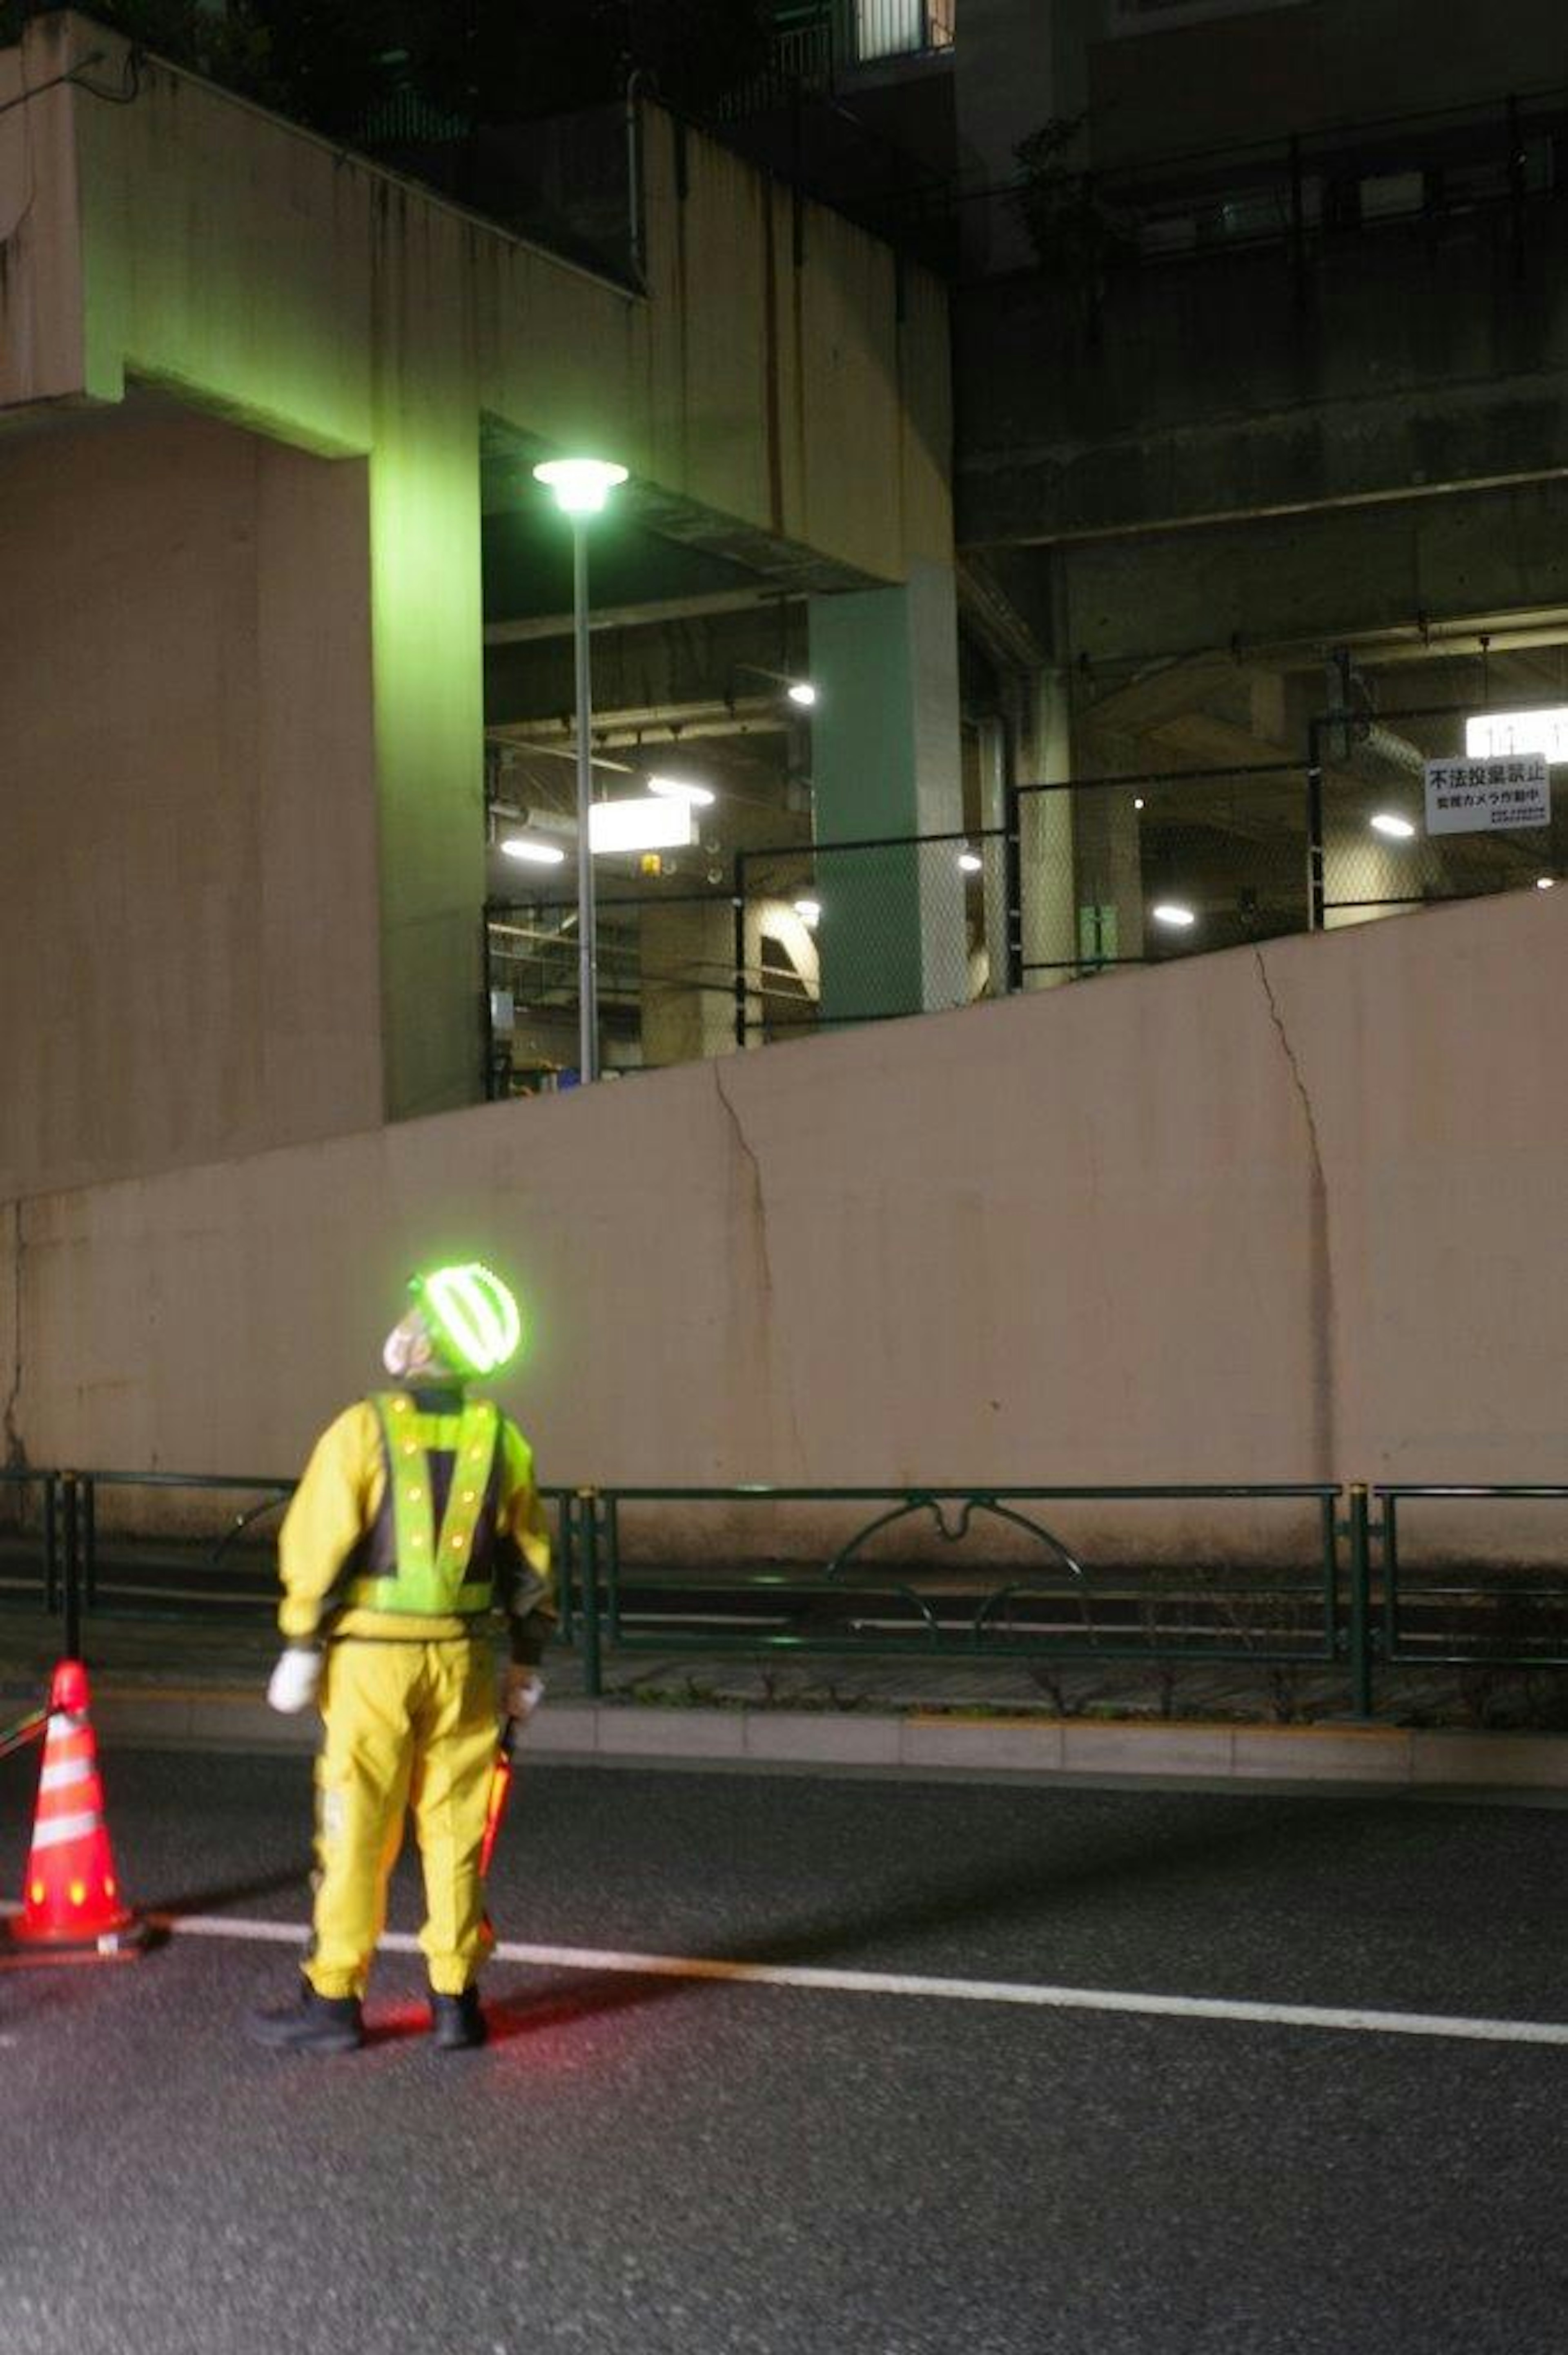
column 522, row 1690
column 295, row 1681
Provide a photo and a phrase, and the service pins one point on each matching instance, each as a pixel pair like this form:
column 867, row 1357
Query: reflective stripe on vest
column 434, row 1572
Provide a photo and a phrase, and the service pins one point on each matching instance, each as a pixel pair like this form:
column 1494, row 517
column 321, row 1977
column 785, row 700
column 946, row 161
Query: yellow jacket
column 334, row 1508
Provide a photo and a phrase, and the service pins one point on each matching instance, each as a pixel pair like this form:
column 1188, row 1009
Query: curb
column 590, row 1732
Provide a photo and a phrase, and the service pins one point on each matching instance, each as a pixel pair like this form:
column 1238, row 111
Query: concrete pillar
column 886, row 763
column 1110, row 882
column 1047, row 824
column 427, row 625
column 688, row 989
column 187, row 799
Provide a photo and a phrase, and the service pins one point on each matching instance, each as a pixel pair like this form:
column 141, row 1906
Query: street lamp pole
column 588, row 949
column 581, row 486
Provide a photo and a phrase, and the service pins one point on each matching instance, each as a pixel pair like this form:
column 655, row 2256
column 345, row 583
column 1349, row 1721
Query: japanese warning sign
column 1467, row 796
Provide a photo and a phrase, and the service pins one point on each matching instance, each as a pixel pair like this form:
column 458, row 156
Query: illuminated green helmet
column 472, row 1315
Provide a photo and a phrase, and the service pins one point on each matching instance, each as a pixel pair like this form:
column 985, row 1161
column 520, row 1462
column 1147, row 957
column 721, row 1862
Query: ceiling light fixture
column 800, row 690
column 533, row 853
column 682, row 789
column 1499, row 735
column 642, row 822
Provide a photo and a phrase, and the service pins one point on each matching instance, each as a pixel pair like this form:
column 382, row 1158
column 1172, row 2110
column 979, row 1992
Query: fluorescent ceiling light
column 536, row 854
column 1398, row 830
column 643, row 822
column 808, row 910
column 581, row 485
column 682, row 789
column 1492, row 735
column 1170, row 911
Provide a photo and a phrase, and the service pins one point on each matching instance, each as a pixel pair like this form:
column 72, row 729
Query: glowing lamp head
column 801, row 691
column 581, row 486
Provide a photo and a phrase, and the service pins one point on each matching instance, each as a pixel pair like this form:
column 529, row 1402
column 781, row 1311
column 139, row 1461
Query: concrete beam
column 1418, row 357
column 1420, row 573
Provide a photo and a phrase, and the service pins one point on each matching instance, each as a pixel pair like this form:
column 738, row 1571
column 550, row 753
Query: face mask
column 410, row 1351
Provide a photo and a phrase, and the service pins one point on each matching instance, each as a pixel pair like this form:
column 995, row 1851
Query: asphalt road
column 645, row 2163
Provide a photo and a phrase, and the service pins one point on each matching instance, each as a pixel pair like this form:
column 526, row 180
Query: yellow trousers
column 406, row 1725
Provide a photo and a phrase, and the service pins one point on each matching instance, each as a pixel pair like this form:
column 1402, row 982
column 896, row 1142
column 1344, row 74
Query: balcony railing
column 813, row 48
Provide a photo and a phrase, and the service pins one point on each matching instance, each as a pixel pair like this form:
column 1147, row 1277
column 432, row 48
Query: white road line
column 888, row 1983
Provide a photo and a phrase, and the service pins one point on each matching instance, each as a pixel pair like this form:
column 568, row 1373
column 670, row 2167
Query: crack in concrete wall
column 764, row 1349
column 1320, row 1270
column 759, row 1198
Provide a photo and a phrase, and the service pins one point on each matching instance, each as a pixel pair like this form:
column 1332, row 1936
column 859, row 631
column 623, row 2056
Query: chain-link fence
column 857, row 932
column 1433, row 802
column 1132, row 869
column 1387, row 812
column 665, row 964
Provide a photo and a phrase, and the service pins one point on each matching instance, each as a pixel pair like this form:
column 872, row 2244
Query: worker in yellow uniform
column 416, row 1518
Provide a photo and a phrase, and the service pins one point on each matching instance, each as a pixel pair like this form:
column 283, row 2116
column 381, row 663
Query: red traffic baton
column 500, row 1792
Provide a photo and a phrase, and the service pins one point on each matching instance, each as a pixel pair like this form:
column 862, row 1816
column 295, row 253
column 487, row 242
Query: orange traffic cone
column 70, row 1898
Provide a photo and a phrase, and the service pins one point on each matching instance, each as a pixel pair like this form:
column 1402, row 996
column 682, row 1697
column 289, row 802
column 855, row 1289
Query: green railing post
column 587, row 1573
column 71, row 1548
column 1361, row 1602
column 51, row 1543
column 88, row 1533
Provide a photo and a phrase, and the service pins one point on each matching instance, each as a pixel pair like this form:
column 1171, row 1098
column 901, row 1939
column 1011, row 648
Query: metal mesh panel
column 1133, row 869
column 1377, row 851
column 665, row 967
column 858, row 931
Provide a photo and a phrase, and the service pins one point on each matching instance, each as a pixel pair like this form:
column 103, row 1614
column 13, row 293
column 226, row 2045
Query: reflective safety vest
column 408, row 1564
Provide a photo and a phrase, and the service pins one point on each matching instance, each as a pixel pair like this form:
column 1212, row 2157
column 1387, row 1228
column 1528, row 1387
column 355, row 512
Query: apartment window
column 897, row 28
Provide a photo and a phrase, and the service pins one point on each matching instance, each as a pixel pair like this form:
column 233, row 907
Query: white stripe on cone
column 55, row 1834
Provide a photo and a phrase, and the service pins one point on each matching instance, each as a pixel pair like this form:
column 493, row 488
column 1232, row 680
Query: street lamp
column 581, row 486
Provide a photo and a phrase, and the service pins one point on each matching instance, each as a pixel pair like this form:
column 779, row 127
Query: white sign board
column 1473, row 796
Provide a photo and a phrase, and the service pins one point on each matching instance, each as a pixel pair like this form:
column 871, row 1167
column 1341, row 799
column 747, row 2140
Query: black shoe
column 311, row 2024
column 457, row 2019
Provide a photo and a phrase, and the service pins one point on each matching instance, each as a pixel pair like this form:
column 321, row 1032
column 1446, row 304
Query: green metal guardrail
column 1513, row 1620
column 15, row 1485
column 170, row 1577
column 1060, row 1608
column 1358, row 1607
